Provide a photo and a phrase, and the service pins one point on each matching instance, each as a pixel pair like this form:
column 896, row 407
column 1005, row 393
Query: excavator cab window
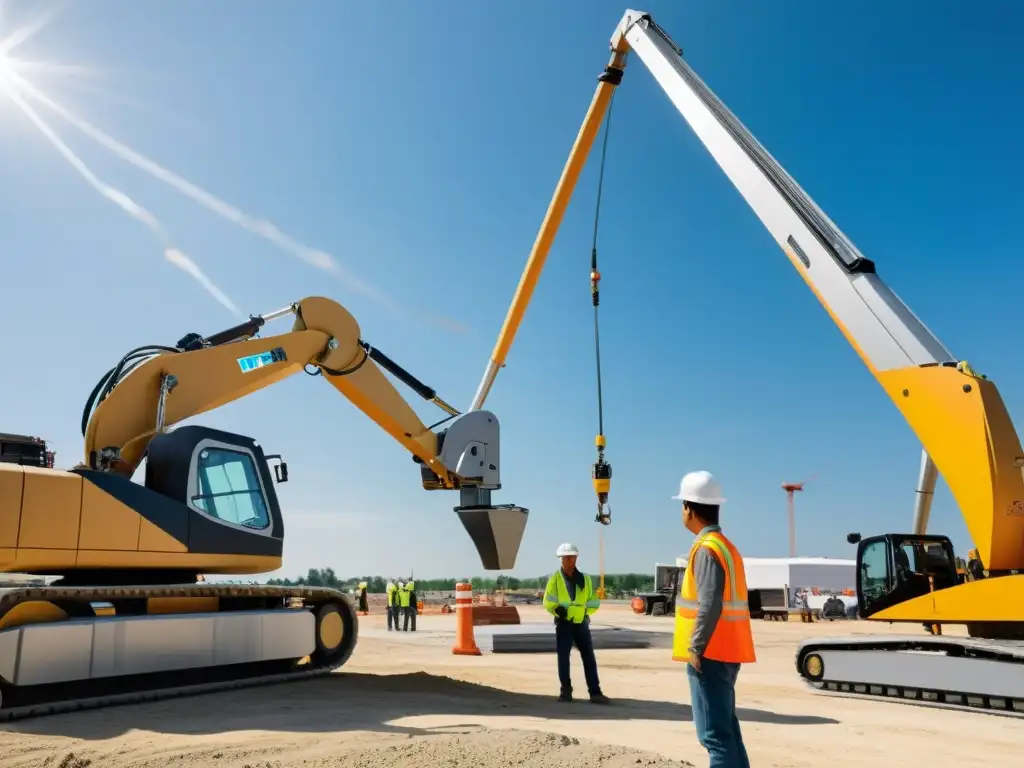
column 230, row 488
column 896, row 567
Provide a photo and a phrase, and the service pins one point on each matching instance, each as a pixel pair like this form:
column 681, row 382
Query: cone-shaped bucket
column 496, row 532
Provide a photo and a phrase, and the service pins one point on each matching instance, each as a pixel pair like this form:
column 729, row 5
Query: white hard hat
column 566, row 550
column 700, row 487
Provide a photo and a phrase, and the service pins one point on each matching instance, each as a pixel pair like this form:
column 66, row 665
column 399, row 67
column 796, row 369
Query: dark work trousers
column 410, row 615
column 393, row 616
column 568, row 635
column 713, row 697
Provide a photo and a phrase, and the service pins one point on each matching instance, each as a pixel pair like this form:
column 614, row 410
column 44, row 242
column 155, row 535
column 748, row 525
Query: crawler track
column 235, row 601
column 946, row 672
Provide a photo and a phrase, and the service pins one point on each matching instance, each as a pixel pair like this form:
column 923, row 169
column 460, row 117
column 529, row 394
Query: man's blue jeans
column 713, row 698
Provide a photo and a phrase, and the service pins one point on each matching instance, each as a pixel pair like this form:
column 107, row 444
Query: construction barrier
column 638, row 604
column 495, row 615
column 465, row 642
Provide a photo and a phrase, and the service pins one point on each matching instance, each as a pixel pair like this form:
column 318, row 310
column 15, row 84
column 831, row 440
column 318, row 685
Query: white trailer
column 779, row 579
column 773, row 583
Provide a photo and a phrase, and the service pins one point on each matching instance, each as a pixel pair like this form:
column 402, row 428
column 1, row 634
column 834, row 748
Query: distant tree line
column 326, row 577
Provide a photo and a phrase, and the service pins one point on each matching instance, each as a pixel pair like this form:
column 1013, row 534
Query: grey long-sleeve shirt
column 710, row 578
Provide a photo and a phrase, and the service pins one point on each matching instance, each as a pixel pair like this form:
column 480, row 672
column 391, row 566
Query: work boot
column 599, row 698
column 565, row 696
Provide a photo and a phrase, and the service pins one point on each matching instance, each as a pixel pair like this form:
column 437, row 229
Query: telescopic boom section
column 958, row 415
column 607, row 82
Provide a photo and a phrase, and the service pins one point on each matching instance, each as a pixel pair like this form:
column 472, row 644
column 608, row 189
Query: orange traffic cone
column 465, row 642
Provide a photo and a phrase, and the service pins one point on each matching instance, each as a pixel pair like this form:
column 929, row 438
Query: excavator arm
column 153, row 388
column 204, row 374
column 958, row 415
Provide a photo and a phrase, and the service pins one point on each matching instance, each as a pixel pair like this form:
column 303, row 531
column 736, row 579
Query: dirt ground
column 404, row 700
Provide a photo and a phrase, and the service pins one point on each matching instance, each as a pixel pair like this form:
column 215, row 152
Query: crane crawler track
column 85, row 657
column 948, row 672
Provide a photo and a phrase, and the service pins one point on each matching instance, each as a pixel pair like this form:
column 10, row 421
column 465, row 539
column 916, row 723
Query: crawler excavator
column 958, row 415
column 130, row 615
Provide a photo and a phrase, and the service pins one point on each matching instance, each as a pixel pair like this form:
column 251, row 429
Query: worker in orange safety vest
column 712, row 626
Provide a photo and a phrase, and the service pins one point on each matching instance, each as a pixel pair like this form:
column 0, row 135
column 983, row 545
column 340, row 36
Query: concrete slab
column 533, row 638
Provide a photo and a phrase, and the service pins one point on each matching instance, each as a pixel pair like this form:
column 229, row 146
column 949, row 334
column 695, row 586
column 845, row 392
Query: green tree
column 615, row 583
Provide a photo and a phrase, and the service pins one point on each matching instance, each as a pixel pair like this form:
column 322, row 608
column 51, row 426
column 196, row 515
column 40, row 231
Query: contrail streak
column 129, row 206
column 23, row 34
column 260, row 227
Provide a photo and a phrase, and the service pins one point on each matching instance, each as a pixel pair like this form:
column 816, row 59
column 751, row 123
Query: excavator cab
column 224, row 480
column 897, row 567
column 208, row 496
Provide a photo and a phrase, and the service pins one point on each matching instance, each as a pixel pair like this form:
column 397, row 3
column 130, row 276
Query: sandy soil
column 404, row 700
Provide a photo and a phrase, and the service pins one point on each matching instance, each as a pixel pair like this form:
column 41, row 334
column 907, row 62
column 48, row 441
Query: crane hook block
column 602, row 476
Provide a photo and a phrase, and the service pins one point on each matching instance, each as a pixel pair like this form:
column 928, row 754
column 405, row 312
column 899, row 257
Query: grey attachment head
column 470, row 449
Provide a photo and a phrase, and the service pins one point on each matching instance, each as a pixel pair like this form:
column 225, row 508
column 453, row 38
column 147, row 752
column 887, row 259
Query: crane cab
column 894, row 568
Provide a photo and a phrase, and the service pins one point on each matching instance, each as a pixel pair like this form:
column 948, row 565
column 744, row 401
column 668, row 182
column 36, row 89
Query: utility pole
column 790, row 489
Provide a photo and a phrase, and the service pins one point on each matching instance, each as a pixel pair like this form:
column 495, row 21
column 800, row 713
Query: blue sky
column 418, row 143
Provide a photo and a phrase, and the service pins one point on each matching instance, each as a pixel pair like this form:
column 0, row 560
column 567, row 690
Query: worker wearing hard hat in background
column 570, row 598
column 403, row 606
column 712, row 627
column 410, row 610
column 392, row 592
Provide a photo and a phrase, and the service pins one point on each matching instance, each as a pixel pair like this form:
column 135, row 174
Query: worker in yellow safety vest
column 392, row 593
column 712, row 626
column 410, row 609
column 570, row 598
column 403, row 606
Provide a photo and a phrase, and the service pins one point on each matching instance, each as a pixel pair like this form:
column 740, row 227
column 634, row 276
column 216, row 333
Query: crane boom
column 958, row 415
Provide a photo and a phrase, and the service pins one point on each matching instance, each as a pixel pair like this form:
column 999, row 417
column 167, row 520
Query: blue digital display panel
column 260, row 359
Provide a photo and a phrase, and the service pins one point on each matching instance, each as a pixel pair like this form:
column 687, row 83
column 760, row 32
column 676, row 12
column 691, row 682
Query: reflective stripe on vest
column 732, row 639
column 583, row 603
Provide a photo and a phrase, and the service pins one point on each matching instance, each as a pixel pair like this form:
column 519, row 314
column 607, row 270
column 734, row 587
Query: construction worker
column 392, row 593
column 975, row 570
column 403, row 606
column 364, row 601
column 410, row 611
column 804, row 602
column 712, row 626
column 570, row 598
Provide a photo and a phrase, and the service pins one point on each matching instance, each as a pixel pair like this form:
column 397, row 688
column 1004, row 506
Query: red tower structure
column 790, row 489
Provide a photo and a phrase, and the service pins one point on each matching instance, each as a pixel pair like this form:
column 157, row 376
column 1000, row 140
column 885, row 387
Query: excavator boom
column 154, row 388
column 177, row 384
